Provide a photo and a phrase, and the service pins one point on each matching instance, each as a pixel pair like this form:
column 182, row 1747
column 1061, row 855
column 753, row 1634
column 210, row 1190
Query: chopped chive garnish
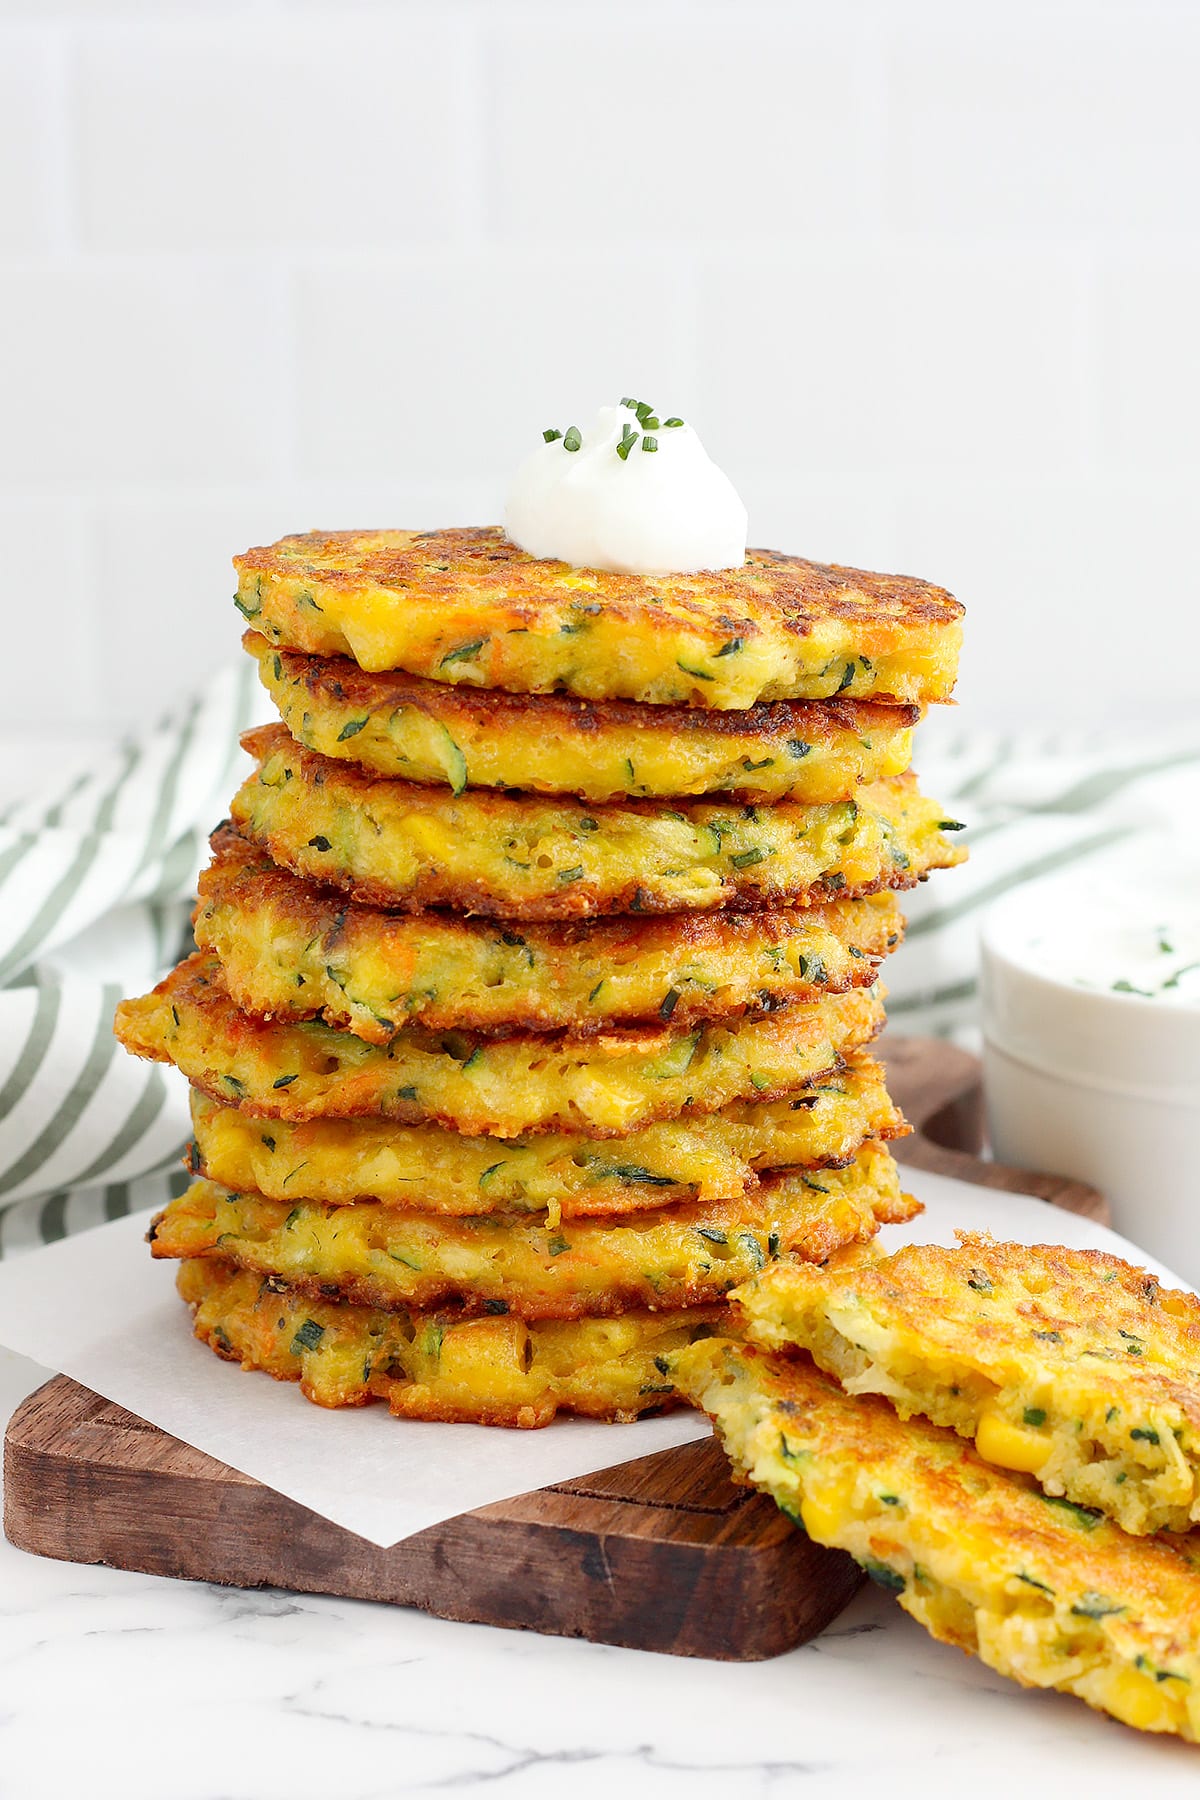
column 551, row 434
column 649, row 443
column 669, row 424
column 629, row 438
column 573, row 438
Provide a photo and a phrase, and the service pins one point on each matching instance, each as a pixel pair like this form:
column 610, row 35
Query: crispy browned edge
column 248, row 1027
column 523, row 1417
column 581, row 900
column 479, row 562
column 242, row 873
column 342, row 681
column 821, row 1243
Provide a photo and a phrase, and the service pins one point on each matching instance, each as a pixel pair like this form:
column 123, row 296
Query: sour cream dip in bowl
column 1091, row 1024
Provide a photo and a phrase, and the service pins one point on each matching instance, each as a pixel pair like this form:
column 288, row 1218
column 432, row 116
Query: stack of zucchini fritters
column 536, row 964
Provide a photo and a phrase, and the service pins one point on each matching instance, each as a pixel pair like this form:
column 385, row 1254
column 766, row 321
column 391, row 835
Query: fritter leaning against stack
column 537, row 962
column 1006, row 1437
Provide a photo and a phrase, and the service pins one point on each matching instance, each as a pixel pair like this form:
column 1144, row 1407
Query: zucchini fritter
column 466, row 606
column 490, row 1371
column 1040, row 1589
column 293, row 950
column 393, row 843
column 1069, row 1365
column 402, row 726
column 713, row 1156
column 391, row 1257
column 603, row 1086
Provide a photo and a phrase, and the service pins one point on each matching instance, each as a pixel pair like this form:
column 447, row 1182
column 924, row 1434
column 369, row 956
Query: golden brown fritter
column 603, row 1086
column 393, row 843
column 1040, row 1589
column 399, row 725
column 1068, row 1365
column 489, row 1371
column 707, row 1156
column 395, row 1257
column 294, row 950
column 466, row 606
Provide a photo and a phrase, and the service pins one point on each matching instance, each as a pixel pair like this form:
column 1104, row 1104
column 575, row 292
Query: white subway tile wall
column 926, row 276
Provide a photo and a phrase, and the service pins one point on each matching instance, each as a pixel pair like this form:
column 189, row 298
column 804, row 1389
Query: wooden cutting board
column 659, row 1554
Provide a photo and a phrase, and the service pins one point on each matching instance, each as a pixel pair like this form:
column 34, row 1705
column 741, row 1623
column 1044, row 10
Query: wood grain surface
column 659, row 1554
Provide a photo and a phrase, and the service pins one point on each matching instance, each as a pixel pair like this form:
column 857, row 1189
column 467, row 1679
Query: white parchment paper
column 98, row 1308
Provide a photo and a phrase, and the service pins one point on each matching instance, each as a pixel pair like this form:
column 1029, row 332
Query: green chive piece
column 629, row 438
column 670, row 424
column 649, row 443
column 573, row 438
column 550, row 435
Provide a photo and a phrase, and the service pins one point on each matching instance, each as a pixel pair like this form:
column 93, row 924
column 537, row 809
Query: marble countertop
column 131, row 1686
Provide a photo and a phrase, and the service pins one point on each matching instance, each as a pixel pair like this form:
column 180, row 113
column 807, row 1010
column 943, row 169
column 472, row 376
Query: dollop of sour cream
column 628, row 493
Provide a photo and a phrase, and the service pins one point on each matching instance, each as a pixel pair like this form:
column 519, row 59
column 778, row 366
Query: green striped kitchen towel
column 96, row 882
column 97, row 879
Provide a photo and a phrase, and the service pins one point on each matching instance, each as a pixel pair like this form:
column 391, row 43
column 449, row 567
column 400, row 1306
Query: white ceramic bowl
column 1083, row 1081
